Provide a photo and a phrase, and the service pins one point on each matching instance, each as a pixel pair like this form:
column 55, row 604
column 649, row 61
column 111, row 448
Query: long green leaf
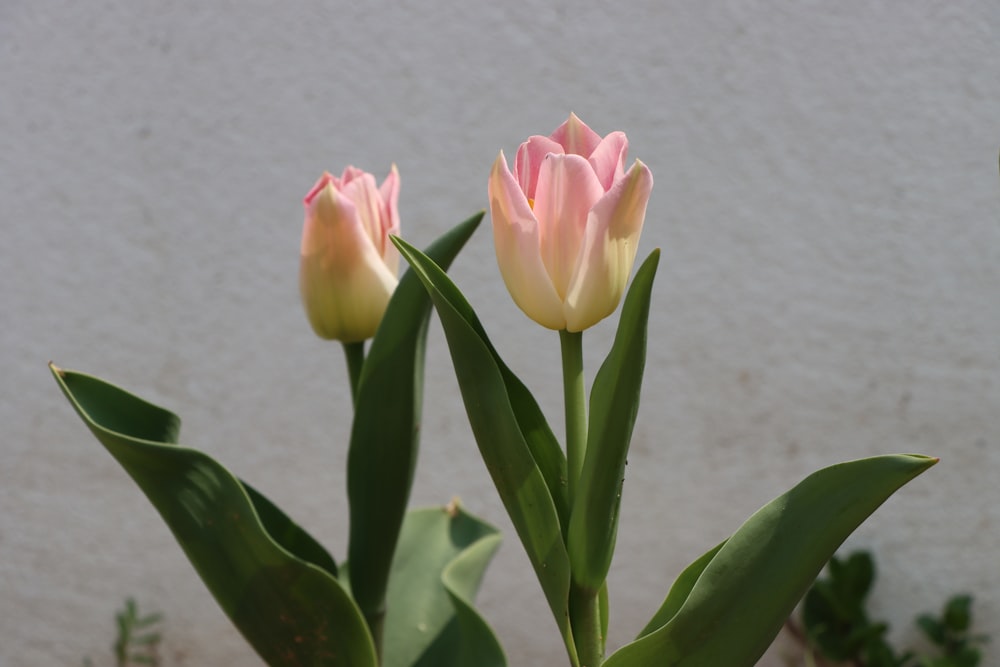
column 489, row 393
column 542, row 443
column 290, row 610
column 614, row 402
column 439, row 564
column 386, row 430
column 746, row 591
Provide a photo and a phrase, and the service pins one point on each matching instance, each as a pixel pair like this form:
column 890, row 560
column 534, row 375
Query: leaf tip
column 55, row 369
column 400, row 244
column 653, row 259
column 453, row 507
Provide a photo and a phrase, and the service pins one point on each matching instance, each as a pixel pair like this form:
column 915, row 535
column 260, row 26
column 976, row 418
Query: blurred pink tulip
column 349, row 265
column 566, row 224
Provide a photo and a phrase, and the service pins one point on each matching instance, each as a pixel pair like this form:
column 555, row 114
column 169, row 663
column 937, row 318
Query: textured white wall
column 826, row 197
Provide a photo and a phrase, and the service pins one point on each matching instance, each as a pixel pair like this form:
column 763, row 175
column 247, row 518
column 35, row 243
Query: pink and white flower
column 566, row 224
column 349, row 266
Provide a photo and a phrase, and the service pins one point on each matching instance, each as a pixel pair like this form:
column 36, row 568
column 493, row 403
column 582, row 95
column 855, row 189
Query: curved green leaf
column 386, row 430
column 439, row 564
column 287, row 533
column 542, row 443
column 290, row 610
column 479, row 645
column 614, row 403
column 492, row 399
column 679, row 592
column 746, row 591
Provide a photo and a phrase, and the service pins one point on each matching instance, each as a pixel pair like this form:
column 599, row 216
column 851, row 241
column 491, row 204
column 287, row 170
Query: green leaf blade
column 614, row 402
column 487, row 391
column 439, row 564
column 383, row 451
column 679, row 592
column 291, row 611
column 746, row 591
column 288, row 534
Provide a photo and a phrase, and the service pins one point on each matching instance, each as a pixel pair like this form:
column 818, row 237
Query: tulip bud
column 566, row 224
column 348, row 268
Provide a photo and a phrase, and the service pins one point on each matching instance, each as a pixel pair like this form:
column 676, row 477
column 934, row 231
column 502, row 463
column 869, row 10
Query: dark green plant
column 949, row 632
column 837, row 627
column 137, row 640
column 836, row 620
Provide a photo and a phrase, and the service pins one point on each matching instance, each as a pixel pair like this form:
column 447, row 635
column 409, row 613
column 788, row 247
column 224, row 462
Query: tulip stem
column 576, row 407
column 355, row 353
column 585, row 619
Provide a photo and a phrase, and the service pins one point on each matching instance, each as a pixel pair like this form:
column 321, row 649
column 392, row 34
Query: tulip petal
column 608, row 250
column 345, row 284
column 350, row 173
column 389, row 196
column 363, row 192
column 608, row 159
column 516, row 237
column 348, row 313
column 529, row 159
column 567, row 190
column 575, row 137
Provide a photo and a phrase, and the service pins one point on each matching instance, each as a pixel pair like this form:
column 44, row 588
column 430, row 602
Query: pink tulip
column 566, row 224
column 349, row 265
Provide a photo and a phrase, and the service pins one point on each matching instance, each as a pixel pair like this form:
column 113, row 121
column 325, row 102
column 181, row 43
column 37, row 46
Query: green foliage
column 404, row 598
column 614, row 404
column 137, row 638
column 728, row 606
column 949, row 632
column 279, row 586
column 288, row 608
column 516, row 444
column 439, row 563
column 384, row 441
column 732, row 602
column 838, row 628
column 836, row 620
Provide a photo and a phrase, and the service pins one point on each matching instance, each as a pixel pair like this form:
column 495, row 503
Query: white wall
column 826, row 197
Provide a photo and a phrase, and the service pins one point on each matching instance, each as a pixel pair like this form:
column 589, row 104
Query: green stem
column 576, row 407
column 376, row 623
column 585, row 619
column 584, row 605
column 355, row 353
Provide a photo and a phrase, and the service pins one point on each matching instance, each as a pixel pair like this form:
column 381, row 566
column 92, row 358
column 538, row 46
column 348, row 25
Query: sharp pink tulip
column 566, row 224
column 349, row 265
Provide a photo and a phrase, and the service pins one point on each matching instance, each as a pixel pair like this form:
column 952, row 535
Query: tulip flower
column 349, row 265
column 566, row 224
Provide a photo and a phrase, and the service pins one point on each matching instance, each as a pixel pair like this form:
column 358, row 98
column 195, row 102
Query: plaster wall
column 827, row 201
